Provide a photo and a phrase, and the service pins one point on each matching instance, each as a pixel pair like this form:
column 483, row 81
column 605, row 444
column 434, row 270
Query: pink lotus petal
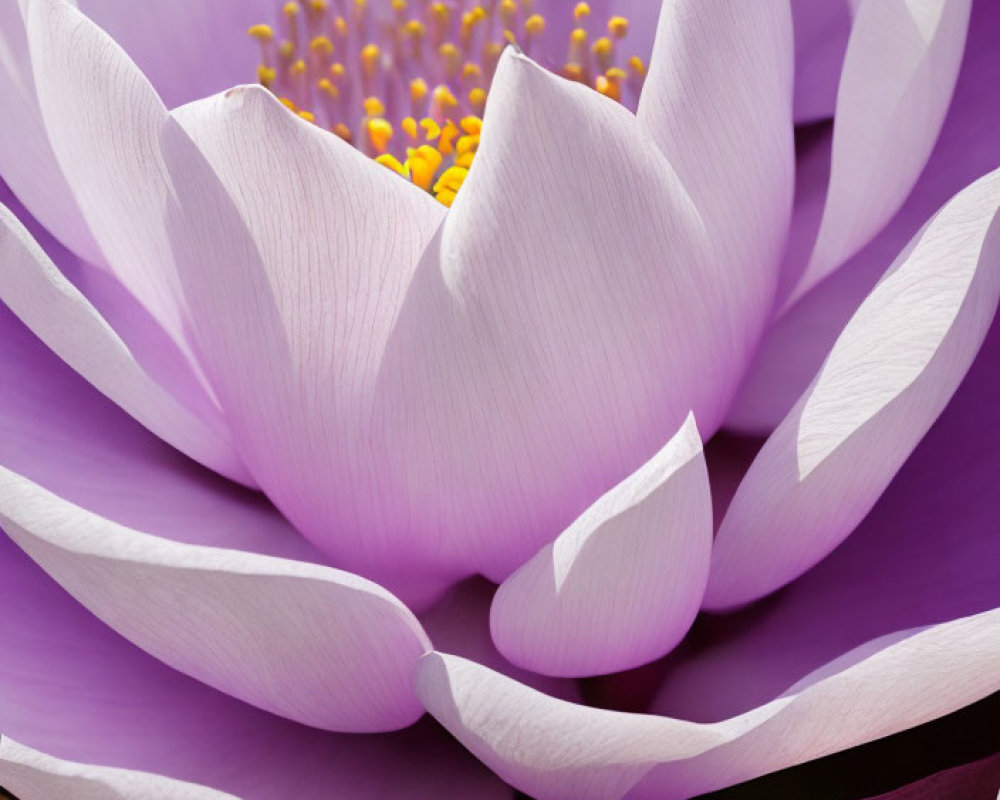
column 724, row 124
column 886, row 128
column 795, row 346
column 103, row 118
column 35, row 775
column 293, row 305
column 925, row 554
column 887, row 378
column 27, row 162
column 194, row 597
column 621, row 586
column 554, row 750
column 72, row 687
column 311, row 643
column 494, row 360
column 32, row 286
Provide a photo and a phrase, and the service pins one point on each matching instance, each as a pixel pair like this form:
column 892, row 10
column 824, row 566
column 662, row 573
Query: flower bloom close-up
column 497, row 398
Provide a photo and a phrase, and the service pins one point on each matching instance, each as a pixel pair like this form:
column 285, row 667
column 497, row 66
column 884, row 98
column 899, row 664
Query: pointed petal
column 29, row 773
column 621, row 586
column 190, row 588
column 552, row 749
column 888, row 377
column 795, row 346
column 293, row 314
column 71, row 686
column 187, row 48
column 102, row 119
column 717, row 101
column 886, row 128
column 317, row 645
column 495, row 359
column 32, row 287
column 925, row 554
column 27, row 163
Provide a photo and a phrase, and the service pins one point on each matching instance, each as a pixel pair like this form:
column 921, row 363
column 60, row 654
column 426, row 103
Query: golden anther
column 343, row 132
column 473, row 126
column 418, row 90
column 266, row 75
column 298, row 68
column 262, row 33
column 321, row 46
column 374, row 107
column 477, row 99
column 409, row 126
column 379, row 134
column 308, row 116
column 286, row 50
column 423, row 162
column 534, row 25
column 291, row 9
column 581, row 11
column 390, row 161
column 636, row 65
column 618, row 27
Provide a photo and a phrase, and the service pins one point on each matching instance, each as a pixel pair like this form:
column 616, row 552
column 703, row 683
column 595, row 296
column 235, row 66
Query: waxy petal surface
column 529, row 328
column 29, row 773
column 887, row 378
column 554, row 750
column 293, row 306
column 717, row 103
column 796, row 344
column 311, row 643
column 71, row 686
column 620, row 586
column 886, row 128
column 27, row 162
column 45, row 300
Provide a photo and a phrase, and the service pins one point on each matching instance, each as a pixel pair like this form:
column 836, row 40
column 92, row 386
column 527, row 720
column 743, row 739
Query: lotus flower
column 384, row 395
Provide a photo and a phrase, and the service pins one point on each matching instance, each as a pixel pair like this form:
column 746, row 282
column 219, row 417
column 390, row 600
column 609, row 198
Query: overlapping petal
column 797, row 343
column 293, row 311
column 27, row 162
column 925, row 554
column 72, row 687
column 552, row 749
column 193, row 587
column 36, row 775
column 821, row 33
column 45, row 300
column 885, row 129
column 887, row 378
column 623, row 583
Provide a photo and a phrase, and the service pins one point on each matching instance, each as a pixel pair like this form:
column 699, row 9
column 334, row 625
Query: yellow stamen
column 418, row 90
column 266, row 75
column 379, row 134
column 409, row 126
column 262, row 33
column 390, row 161
column 636, row 65
column 321, row 46
column 431, row 128
column 477, row 99
column 369, row 58
column 451, row 179
column 473, row 126
column 291, row 9
column 343, row 132
column 449, row 132
column 308, row 116
column 287, row 103
column 446, row 197
column 298, row 68
column 534, row 25
column 581, row 11
column 618, row 27
column 423, row 164
column 374, row 107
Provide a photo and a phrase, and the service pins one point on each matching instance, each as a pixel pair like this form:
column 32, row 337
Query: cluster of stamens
column 408, row 87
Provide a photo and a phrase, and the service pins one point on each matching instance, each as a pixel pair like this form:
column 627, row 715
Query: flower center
column 406, row 81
